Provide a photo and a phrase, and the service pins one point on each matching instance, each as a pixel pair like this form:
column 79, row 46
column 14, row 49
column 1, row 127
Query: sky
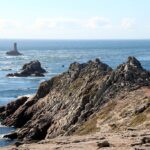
column 74, row 19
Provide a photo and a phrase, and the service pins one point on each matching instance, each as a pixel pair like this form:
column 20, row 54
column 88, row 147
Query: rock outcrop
column 76, row 100
column 11, row 107
column 14, row 52
column 32, row 68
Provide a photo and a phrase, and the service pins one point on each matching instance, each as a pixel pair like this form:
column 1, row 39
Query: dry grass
column 106, row 110
column 139, row 119
column 88, row 127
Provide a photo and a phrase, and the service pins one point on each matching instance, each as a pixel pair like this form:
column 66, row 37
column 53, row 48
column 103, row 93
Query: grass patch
column 147, row 125
column 139, row 119
column 88, row 127
column 106, row 110
column 76, row 84
column 147, row 110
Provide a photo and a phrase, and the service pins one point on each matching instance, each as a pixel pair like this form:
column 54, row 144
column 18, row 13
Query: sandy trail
column 126, row 140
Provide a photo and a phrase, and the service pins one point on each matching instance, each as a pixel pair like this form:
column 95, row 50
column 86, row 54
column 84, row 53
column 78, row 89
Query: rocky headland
column 88, row 99
column 32, row 68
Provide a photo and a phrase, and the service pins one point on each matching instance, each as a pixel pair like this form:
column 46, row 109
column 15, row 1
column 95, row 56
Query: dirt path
column 127, row 140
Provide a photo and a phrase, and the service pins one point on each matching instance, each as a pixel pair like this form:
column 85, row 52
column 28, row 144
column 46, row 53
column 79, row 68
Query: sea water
column 55, row 56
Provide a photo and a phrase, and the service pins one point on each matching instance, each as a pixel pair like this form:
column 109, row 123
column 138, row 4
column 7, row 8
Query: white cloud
column 41, row 23
column 6, row 24
column 128, row 23
column 65, row 27
column 98, row 22
column 55, row 23
column 71, row 23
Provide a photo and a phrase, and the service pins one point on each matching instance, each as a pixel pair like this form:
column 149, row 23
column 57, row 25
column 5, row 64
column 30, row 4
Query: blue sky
column 75, row 19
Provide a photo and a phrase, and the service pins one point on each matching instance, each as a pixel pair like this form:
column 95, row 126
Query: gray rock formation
column 32, row 68
column 14, row 52
column 65, row 102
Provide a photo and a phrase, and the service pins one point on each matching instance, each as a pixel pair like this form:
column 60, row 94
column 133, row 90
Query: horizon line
column 67, row 39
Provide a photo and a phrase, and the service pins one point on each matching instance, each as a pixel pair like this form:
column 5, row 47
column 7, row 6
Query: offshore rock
column 32, row 68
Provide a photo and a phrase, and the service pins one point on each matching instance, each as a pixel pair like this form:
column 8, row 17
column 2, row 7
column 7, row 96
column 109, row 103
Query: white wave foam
column 2, row 125
column 13, row 77
column 5, row 69
column 1, row 136
column 27, row 95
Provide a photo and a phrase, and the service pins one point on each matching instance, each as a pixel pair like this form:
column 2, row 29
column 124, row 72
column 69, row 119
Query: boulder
column 11, row 136
column 32, row 68
column 145, row 140
column 103, row 144
column 2, row 109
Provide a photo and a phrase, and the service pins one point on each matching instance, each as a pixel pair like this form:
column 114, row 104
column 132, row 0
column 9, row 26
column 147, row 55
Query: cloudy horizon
column 70, row 19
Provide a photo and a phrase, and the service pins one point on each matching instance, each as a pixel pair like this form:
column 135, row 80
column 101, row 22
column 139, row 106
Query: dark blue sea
column 53, row 54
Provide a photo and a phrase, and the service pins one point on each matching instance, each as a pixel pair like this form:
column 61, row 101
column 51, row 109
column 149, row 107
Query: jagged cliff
column 88, row 97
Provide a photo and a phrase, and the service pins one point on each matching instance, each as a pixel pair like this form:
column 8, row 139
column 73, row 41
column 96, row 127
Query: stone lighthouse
column 14, row 52
column 15, row 46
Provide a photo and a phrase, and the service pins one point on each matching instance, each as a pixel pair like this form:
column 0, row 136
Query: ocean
column 55, row 56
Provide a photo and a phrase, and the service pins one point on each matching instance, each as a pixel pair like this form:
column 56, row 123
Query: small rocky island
column 93, row 104
column 14, row 52
column 32, row 68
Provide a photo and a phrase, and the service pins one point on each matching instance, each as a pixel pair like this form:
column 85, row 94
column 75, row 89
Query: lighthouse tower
column 15, row 46
column 14, row 52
